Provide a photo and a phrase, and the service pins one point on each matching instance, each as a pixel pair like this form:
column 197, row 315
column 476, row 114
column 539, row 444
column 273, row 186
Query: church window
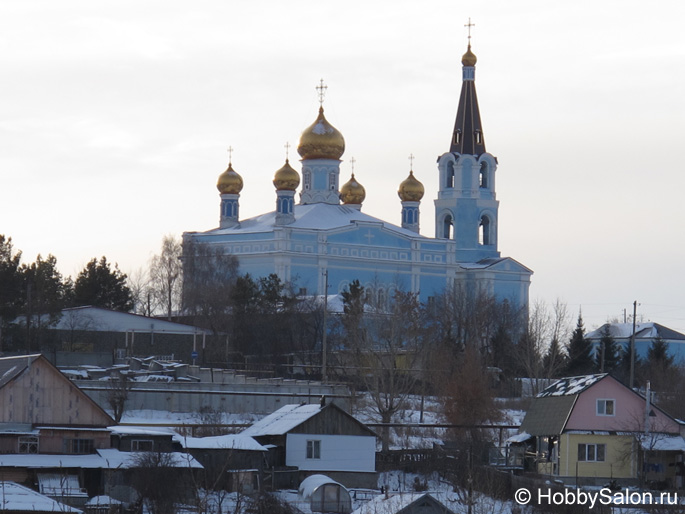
column 449, row 182
column 447, row 227
column 457, row 136
column 381, row 296
column 332, row 182
column 479, row 137
column 306, row 179
column 484, row 175
column 484, row 231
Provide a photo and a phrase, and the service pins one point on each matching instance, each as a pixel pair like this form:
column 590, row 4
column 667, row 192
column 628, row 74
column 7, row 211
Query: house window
column 591, row 452
column 605, row 407
column 142, row 445
column 79, row 446
column 313, row 449
column 28, row 444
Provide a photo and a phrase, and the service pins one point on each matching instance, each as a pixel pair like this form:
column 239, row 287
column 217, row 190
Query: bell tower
column 466, row 207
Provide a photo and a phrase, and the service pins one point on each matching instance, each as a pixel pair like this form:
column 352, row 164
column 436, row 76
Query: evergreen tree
column 554, row 360
column 101, row 286
column 579, row 351
column 657, row 354
column 10, row 284
column 608, row 353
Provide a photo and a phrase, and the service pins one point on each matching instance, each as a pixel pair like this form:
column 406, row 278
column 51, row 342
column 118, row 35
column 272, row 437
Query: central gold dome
column 286, row 179
column 321, row 140
column 352, row 192
column 230, row 182
column 411, row 190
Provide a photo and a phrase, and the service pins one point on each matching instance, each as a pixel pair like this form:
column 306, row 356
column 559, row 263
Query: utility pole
column 632, row 347
column 324, row 374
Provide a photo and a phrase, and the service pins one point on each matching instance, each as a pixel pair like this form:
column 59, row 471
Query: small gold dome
column 411, row 190
column 321, row 140
column 469, row 58
column 286, row 179
column 352, row 192
column 230, row 183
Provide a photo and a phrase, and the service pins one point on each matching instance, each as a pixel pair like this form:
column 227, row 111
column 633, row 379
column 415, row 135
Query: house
column 318, row 438
column 412, row 503
column 234, row 462
column 592, row 429
column 645, row 335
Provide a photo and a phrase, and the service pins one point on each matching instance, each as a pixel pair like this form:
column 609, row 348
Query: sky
column 116, row 117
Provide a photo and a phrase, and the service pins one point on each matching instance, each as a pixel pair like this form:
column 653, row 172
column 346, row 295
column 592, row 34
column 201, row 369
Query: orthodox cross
column 321, row 88
column 352, row 161
column 369, row 236
column 230, row 154
column 468, row 26
column 411, row 162
column 287, row 150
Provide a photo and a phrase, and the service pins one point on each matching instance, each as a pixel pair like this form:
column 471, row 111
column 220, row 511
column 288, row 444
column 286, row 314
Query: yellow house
column 593, row 429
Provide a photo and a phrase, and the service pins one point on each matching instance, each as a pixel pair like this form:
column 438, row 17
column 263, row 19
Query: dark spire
column 467, row 137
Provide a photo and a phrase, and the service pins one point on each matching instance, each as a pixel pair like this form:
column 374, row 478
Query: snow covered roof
column 221, row 442
column 518, row 438
column 396, row 503
column 96, row 319
column 664, row 443
column 647, row 330
column 102, row 500
column 60, row 484
column 283, row 420
column 15, row 497
column 571, row 385
column 316, row 216
column 103, row 459
column 313, row 482
column 12, row 367
column 126, row 460
column 131, row 430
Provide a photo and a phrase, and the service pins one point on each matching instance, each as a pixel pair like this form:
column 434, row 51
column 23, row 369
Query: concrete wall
column 229, row 392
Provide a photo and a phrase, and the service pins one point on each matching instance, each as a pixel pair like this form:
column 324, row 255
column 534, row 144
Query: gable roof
column 289, row 417
column 647, row 330
column 12, row 368
column 17, row 498
column 403, row 503
column 571, row 385
column 550, row 409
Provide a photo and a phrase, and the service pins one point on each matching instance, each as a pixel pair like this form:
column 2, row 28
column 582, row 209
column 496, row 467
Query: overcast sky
column 115, row 119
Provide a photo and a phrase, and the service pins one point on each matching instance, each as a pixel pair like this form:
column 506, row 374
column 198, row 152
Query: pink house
column 594, row 429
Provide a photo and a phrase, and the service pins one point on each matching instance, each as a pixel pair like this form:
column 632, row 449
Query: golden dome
column 352, row 192
column 229, row 183
column 321, row 140
column 469, row 58
column 411, row 190
column 286, row 179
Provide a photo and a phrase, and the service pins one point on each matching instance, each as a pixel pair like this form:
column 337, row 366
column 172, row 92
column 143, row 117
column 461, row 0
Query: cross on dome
column 411, row 162
column 287, row 150
column 230, row 154
column 468, row 26
column 352, row 161
column 321, row 88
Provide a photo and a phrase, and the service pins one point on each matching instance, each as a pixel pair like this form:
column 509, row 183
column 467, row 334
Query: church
column 323, row 241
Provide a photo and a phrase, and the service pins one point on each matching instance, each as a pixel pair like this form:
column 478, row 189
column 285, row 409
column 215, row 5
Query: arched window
column 381, row 297
column 484, row 182
column 449, row 177
column 306, row 179
column 447, row 227
column 484, row 231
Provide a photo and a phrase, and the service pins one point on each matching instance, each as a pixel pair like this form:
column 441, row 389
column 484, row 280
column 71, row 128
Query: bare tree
column 158, row 481
column 117, row 395
column 385, row 346
column 166, row 275
column 141, row 291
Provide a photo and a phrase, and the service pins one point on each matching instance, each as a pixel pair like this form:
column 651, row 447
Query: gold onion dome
column 411, row 190
column 469, row 58
column 229, row 183
column 321, row 140
column 352, row 192
column 286, row 179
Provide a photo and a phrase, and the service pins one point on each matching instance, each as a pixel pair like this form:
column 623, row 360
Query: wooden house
column 593, row 429
column 319, row 438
